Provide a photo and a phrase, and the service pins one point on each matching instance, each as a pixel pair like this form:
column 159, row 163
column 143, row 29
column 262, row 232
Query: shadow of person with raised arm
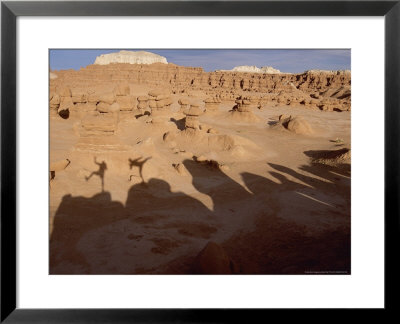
column 100, row 172
column 139, row 164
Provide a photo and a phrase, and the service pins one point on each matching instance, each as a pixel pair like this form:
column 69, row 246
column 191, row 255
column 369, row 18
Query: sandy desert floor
column 269, row 206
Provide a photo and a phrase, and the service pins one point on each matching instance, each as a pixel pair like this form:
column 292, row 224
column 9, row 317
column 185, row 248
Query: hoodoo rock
column 212, row 104
column 159, row 104
column 242, row 111
column 297, row 125
column 184, row 104
column 192, row 119
column 140, row 57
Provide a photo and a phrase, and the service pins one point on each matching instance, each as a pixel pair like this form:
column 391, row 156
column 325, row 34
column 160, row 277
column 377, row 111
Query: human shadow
column 100, row 172
column 139, row 163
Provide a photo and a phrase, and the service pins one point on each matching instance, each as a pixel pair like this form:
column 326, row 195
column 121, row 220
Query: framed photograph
column 197, row 161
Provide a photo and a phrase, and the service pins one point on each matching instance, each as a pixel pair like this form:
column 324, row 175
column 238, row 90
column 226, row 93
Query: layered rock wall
column 181, row 78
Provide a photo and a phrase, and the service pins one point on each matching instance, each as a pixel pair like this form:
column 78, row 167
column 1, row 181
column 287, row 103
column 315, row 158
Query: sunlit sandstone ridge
column 324, row 90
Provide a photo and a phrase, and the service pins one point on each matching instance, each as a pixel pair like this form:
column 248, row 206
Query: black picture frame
column 10, row 10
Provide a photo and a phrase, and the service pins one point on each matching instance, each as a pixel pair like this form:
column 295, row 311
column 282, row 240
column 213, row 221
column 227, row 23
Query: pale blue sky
column 286, row 60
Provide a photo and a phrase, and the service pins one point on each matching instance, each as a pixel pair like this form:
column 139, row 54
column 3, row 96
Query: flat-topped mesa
column 130, row 57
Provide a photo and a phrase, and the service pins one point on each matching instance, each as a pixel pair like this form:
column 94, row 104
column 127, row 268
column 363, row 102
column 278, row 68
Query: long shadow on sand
column 298, row 222
column 296, row 237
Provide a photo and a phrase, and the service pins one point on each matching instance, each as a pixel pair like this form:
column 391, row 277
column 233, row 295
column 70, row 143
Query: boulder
column 213, row 259
column 300, row 126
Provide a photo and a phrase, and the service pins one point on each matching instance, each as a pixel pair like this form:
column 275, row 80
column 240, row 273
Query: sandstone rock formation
column 212, row 104
column 192, row 124
column 131, row 57
column 159, row 104
column 143, row 103
column 331, row 157
column 242, row 111
column 184, row 104
column 56, row 167
column 297, row 125
column 186, row 79
column 99, row 124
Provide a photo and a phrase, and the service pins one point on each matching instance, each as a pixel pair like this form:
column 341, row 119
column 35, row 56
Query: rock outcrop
column 297, row 125
column 242, row 111
column 212, row 104
column 159, row 104
column 192, row 124
column 180, row 79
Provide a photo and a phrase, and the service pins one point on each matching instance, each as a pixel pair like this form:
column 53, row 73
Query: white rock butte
column 254, row 69
column 131, row 57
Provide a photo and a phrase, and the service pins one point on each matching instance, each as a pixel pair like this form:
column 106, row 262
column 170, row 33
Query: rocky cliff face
column 140, row 57
column 317, row 89
column 180, row 78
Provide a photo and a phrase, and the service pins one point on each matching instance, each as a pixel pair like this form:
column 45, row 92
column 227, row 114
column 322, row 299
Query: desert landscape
column 159, row 168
